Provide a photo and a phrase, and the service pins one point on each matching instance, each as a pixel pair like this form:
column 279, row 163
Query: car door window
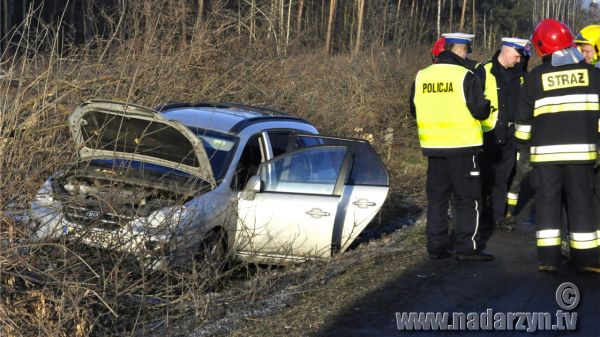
column 367, row 168
column 313, row 170
column 280, row 142
column 284, row 141
column 249, row 162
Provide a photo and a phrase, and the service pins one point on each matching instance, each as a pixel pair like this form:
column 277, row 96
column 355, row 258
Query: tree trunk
column 299, row 18
column 330, row 21
column 147, row 17
column 200, row 5
column 461, row 24
column 384, row 31
column 474, row 18
column 397, row 30
column 451, row 15
column 252, row 20
column 288, row 26
column 412, row 16
column 361, row 12
column 439, row 16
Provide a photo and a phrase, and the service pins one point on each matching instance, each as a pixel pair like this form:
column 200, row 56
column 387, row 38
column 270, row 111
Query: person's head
column 509, row 57
column 588, row 52
column 513, row 51
column 462, row 50
column 459, row 43
column 551, row 36
column 586, row 41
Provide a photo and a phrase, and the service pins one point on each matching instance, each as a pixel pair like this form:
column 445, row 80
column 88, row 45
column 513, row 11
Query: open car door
column 312, row 201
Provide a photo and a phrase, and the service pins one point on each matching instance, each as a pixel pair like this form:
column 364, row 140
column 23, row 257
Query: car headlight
column 166, row 217
column 44, row 196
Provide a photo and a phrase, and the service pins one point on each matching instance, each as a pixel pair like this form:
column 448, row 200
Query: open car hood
column 114, row 130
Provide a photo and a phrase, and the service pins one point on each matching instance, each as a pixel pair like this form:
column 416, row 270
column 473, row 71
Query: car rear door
column 365, row 188
column 313, row 203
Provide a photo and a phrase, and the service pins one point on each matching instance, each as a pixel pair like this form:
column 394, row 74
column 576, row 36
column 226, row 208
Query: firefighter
column 448, row 103
column 559, row 111
column 501, row 77
column 586, row 43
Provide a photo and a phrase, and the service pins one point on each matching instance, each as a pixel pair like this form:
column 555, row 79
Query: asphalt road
column 510, row 283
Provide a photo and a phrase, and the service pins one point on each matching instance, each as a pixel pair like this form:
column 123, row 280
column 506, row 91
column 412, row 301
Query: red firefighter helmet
column 438, row 47
column 550, row 36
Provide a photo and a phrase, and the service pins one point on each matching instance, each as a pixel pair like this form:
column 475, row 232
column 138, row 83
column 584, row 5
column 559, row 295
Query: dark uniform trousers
column 576, row 183
column 497, row 165
column 522, row 168
column 459, row 175
column 597, row 205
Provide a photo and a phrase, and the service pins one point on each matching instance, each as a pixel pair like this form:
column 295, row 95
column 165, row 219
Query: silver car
column 163, row 183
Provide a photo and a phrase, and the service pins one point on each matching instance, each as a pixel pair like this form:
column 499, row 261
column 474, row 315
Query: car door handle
column 364, row 203
column 317, row 213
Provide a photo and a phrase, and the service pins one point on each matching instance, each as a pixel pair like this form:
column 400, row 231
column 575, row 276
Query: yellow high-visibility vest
column 491, row 93
column 443, row 119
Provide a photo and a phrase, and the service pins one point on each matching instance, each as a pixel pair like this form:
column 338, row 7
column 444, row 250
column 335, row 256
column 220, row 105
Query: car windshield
column 219, row 148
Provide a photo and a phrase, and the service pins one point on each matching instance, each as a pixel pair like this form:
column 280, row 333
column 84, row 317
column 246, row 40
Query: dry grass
column 60, row 289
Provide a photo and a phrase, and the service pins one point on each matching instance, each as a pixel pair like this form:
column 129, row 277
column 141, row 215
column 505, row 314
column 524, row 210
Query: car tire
column 213, row 255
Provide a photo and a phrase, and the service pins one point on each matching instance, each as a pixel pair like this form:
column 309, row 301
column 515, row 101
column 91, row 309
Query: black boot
column 478, row 255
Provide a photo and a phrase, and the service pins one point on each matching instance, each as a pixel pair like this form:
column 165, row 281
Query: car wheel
column 213, row 256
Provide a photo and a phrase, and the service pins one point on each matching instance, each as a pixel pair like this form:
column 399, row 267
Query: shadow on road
column 510, row 283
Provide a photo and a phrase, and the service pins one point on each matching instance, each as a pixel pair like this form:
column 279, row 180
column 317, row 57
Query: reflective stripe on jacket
column 559, row 113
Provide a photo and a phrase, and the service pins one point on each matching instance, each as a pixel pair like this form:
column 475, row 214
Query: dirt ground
column 397, row 276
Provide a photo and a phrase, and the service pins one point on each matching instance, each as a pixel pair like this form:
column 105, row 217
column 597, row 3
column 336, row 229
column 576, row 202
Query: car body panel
column 316, row 214
column 126, row 115
column 278, row 224
column 306, row 218
column 364, row 202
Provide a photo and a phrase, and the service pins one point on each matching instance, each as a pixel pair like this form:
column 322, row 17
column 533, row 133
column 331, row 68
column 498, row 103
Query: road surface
column 510, row 283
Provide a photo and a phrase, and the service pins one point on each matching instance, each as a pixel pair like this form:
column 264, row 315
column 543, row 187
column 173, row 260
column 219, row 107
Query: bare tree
column 439, row 15
column 200, row 6
column 462, row 16
column 474, row 18
column 332, row 6
column 450, row 26
column 299, row 17
column 361, row 12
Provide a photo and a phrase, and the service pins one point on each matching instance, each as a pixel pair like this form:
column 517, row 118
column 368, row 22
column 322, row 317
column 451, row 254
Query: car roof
column 224, row 117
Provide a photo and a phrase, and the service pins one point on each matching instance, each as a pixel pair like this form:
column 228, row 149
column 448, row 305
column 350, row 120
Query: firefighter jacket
column 558, row 113
column 502, row 87
column 447, row 100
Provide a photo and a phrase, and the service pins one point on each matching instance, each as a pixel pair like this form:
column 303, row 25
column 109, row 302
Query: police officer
column 559, row 111
column 522, row 167
column 502, row 77
column 448, row 102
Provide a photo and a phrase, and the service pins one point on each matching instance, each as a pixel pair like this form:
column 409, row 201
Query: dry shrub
column 63, row 289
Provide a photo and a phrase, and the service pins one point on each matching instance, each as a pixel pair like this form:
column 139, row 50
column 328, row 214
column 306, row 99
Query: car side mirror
column 253, row 186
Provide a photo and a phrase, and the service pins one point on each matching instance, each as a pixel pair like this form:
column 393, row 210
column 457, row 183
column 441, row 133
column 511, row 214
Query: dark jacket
column 478, row 106
column 508, row 83
column 560, row 120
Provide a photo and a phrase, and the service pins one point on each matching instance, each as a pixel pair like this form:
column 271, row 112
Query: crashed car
column 163, row 183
